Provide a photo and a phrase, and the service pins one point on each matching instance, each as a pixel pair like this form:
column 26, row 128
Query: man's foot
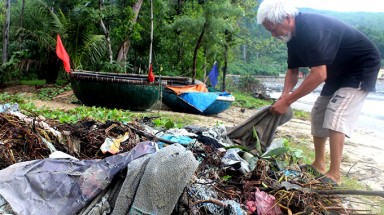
column 319, row 167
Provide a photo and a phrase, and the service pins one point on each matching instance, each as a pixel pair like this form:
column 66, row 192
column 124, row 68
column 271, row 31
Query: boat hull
column 175, row 103
column 122, row 91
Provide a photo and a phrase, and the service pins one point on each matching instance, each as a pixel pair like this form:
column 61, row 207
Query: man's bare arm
column 291, row 79
column 316, row 76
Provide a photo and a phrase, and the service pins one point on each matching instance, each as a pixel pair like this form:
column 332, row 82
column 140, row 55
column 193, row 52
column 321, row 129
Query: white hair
column 275, row 11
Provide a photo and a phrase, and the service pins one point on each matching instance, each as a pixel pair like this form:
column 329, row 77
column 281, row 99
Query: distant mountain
column 372, row 20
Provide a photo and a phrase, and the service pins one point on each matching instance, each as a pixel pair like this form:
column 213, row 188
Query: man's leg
column 319, row 133
column 336, row 144
column 340, row 117
column 319, row 163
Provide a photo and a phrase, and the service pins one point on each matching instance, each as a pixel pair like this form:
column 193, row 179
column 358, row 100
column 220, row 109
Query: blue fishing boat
column 191, row 99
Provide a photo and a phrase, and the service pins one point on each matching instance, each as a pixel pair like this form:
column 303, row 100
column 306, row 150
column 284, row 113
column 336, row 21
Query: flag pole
column 150, row 46
column 151, row 77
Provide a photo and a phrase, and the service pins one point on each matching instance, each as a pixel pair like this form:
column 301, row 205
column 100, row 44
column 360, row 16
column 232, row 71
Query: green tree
column 194, row 34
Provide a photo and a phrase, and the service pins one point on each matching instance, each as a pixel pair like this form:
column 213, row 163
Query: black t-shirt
column 352, row 59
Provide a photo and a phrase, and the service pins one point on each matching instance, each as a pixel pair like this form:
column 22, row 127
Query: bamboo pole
column 150, row 46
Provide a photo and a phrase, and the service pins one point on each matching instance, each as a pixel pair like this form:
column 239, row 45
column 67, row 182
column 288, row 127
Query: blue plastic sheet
column 199, row 100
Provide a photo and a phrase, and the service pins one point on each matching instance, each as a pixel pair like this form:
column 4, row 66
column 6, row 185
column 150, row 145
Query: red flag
column 151, row 77
column 62, row 54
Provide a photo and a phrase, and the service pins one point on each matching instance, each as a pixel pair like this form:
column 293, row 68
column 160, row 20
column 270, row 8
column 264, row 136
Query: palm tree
column 79, row 35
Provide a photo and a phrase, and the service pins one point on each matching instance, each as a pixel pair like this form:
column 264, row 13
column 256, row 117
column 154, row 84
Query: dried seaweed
column 20, row 141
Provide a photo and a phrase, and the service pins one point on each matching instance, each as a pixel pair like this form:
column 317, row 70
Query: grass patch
column 34, row 82
column 244, row 100
column 303, row 115
column 8, row 98
column 303, row 145
column 171, row 120
column 48, row 93
column 101, row 114
column 77, row 114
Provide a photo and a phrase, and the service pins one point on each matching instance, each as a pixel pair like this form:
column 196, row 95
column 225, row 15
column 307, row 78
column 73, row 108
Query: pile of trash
column 134, row 168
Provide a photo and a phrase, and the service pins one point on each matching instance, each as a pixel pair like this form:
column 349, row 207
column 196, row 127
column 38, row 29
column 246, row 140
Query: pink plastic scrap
column 265, row 204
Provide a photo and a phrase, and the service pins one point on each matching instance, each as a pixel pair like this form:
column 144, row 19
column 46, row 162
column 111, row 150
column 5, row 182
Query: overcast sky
column 342, row 5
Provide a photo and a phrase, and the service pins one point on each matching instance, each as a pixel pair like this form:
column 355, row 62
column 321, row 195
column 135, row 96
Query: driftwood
column 213, row 201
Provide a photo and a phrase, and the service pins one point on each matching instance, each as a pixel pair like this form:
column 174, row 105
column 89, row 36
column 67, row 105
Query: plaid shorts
column 338, row 112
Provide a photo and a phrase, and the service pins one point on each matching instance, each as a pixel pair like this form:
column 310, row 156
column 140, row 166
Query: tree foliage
column 187, row 35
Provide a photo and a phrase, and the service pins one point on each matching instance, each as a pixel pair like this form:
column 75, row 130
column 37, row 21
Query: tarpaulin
column 196, row 95
column 188, row 88
column 199, row 100
column 61, row 186
column 263, row 123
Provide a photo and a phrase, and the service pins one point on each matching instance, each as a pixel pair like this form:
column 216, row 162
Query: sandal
column 328, row 181
column 311, row 170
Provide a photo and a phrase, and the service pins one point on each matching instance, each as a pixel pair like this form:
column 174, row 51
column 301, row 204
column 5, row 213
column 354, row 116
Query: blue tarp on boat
column 199, row 100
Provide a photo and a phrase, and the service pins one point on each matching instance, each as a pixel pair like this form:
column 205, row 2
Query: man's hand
column 279, row 107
